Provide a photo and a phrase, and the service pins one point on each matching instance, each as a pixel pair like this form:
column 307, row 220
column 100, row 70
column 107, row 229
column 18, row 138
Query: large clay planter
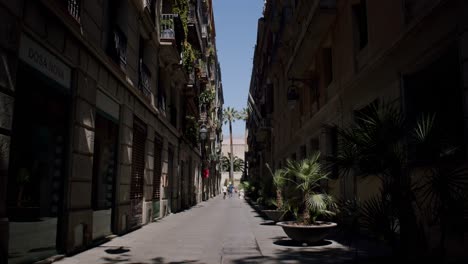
column 275, row 215
column 307, row 233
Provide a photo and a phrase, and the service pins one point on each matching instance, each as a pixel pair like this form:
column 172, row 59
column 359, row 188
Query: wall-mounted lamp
column 292, row 96
column 293, row 91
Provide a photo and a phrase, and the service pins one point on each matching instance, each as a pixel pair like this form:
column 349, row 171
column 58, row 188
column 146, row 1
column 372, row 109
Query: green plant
column 310, row 198
column 181, row 7
column 417, row 169
column 189, row 57
column 207, row 96
column 279, row 181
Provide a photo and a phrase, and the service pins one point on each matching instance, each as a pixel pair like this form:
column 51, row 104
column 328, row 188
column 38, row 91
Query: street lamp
column 292, row 93
column 203, row 132
column 292, row 96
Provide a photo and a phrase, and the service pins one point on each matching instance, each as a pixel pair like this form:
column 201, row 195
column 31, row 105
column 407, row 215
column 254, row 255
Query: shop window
column 303, row 152
column 104, row 163
column 327, row 65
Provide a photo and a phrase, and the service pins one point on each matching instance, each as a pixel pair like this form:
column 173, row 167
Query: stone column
column 79, row 213
column 125, row 169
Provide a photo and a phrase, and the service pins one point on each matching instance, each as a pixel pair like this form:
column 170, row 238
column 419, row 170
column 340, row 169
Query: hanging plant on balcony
column 181, row 7
column 207, row 96
column 189, row 57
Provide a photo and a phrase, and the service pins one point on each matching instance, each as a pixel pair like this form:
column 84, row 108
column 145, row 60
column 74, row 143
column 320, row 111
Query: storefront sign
column 40, row 59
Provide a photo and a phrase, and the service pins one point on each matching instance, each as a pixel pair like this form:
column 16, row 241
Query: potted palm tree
column 279, row 180
column 309, row 200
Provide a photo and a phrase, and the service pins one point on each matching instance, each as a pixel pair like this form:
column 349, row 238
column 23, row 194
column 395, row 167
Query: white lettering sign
column 40, row 59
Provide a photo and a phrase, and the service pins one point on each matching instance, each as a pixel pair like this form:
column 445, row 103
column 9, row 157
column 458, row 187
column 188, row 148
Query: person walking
column 230, row 190
column 224, row 191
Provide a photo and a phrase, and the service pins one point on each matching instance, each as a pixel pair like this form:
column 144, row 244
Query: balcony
column 204, row 31
column 203, row 70
column 73, row 8
column 145, row 80
column 172, row 37
column 190, row 89
column 194, row 31
column 117, row 49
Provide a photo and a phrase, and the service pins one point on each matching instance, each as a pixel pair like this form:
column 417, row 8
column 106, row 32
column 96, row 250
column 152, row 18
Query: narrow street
column 216, row 231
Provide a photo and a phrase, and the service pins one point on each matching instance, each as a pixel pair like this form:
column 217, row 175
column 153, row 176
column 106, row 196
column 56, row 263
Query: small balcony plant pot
column 275, row 215
column 307, row 233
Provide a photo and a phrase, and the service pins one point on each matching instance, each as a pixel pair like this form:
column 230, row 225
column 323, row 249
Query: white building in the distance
column 239, row 149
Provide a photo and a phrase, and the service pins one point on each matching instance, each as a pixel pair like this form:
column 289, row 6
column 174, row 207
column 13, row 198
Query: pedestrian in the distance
column 230, row 189
column 224, row 191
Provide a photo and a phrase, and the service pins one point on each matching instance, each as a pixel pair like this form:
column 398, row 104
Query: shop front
column 105, row 166
column 39, row 154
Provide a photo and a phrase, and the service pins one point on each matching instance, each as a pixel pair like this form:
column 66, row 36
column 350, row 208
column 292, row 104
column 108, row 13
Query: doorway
column 104, row 174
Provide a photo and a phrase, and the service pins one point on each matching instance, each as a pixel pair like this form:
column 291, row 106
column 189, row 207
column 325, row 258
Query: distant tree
column 230, row 115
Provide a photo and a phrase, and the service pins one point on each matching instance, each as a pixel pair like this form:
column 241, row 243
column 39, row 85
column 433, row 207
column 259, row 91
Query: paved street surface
column 216, row 231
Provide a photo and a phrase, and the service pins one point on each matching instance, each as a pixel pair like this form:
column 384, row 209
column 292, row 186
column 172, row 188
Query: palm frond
column 424, row 128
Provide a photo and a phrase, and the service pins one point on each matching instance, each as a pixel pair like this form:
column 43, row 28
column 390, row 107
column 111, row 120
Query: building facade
column 318, row 63
column 101, row 104
column 239, row 147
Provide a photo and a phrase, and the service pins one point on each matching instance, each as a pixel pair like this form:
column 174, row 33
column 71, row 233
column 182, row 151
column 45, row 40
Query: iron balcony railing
column 203, row 69
column 192, row 14
column 145, row 80
column 73, row 8
column 168, row 26
column 191, row 76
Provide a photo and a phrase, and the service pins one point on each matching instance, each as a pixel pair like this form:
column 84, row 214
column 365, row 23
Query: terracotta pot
column 307, row 233
column 275, row 215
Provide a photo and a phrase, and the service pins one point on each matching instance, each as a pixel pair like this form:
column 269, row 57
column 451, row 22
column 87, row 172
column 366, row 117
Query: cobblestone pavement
column 216, row 231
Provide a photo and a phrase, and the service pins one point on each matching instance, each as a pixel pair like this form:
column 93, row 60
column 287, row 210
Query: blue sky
column 236, row 35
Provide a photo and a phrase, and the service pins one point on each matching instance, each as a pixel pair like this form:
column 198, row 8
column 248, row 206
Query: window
column 314, row 145
column 436, row 90
column 116, row 39
column 360, row 24
column 161, row 93
column 412, row 8
column 73, row 8
column 303, row 152
column 144, row 77
column 327, row 65
column 104, row 162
